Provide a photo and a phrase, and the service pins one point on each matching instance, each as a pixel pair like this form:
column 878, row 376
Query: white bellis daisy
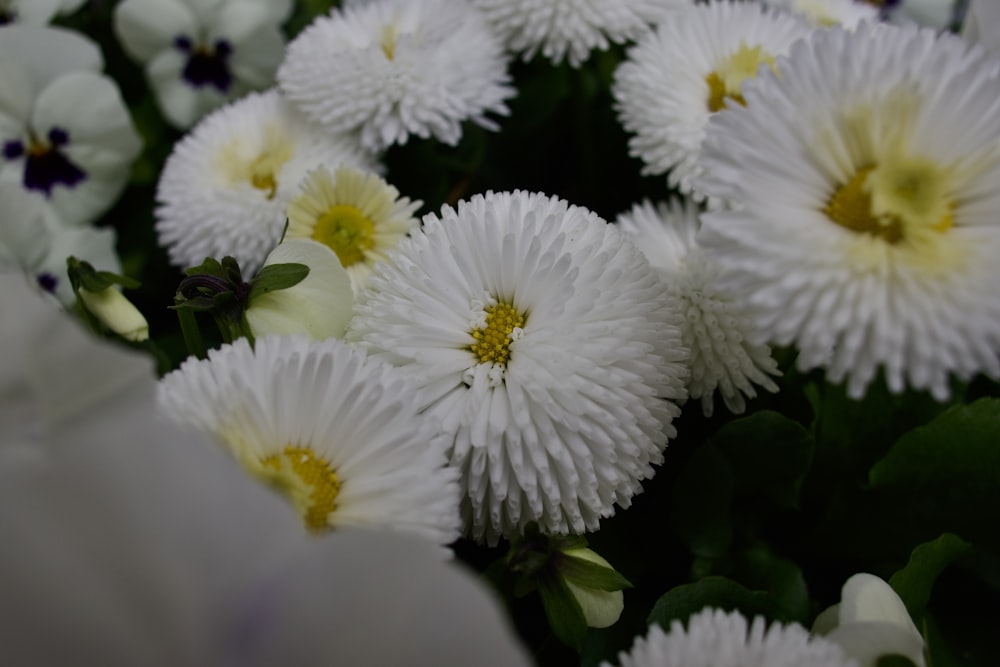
column 224, row 188
column 717, row 327
column 334, row 431
column 571, row 29
column 868, row 217
column 715, row 638
column 544, row 342
column 356, row 214
column 396, row 68
column 690, row 67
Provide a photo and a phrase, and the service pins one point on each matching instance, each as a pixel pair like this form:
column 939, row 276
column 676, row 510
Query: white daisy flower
column 224, row 188
column 571, row 29
column 937, row 14
column 717, row 327
column 868, row 211
column 320, row 306
column 136, row 543
column 398, row 67
column 693, row 65
column 542, row 339
column 64, row 130
column 715, row 638
column 355, row 213
column 336, row 432
column 34, row 242
column 827, row 13
column 201, row 54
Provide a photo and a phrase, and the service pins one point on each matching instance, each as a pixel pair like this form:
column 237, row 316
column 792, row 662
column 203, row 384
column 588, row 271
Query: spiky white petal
column 355, row 414
column 715, row 638
column 717, row 327
column 661, row 90
column 224, row 188
column 571, row 29
column 859, row 115
column 396, row 68
column 570, row 422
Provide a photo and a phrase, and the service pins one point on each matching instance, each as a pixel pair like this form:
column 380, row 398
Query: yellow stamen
column 725, row 81
column 347, row 231
column 389, row 41
column 308, row 480
column 493, row 340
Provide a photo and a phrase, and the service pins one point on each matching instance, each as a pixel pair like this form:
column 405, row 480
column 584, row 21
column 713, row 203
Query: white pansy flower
column 982, row 24
column 64, row 130
column 136, row 543
column 867, row 219
column 543, row 341
column 826, row 13
column 224, row 188
column 200, row 54
column 936, row 14
column 397, row 68
column 871, row 621
column 33, row 12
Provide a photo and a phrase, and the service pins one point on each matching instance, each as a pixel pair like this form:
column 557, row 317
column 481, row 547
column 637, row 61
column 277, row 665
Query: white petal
column 147, row 27
column 48, row 52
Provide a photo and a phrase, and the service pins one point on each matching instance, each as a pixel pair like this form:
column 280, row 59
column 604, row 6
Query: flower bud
column 601, row 608
column 116, row 312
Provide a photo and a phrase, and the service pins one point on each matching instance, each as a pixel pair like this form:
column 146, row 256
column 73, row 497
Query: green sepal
column 563, row 612
column 210, row 267
column 587, row 574
column 277, row 277
column 231, row 270
column 82, row 275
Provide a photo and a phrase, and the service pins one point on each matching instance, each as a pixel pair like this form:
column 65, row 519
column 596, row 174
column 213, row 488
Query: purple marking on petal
column 7, row 16
column 210, row 68
column 183, row 43
column 47, row 281
column 13, row 149
column 58, row 136
column 47, row 167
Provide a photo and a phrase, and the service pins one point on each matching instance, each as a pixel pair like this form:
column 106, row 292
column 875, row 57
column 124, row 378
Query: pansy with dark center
column 47, row 282
column 206, row 65
column 7, row 15
column 45, row 164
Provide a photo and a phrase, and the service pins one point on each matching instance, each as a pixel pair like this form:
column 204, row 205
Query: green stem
column 192, row 335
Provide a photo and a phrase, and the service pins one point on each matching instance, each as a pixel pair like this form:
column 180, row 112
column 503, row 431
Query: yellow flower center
column 308, row 480
column 259, row 168
column 892, row 200
column 725, row 80
column 389, row 41
column 347, row 231
column 493, row 341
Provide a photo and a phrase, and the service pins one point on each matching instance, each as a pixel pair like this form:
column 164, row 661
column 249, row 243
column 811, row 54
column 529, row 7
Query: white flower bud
column 600, row 608
column 116, row 312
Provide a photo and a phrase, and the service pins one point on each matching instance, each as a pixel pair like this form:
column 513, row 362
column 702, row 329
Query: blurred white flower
column 715, row 638
column 693, row 65
column 398, row 67
column 726, row 354
column 34, row 12
column 135, row 543
column 868, row 215
column 355, row 213
column 571, row 29
column 338, row 433
column 224, row 188
column 543, row 341
column 200, row 54
column 982, row 24
column 937, row 14
column 871, row 621
column 64, row 130
column 826, row 13
column 320, row 306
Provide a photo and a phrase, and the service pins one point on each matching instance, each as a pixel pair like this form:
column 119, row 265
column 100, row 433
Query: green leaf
column 587, row 574
column 915, row 581
column 782, row 579
column 563, row 611
column 210, row 267
column 769, row 453
column 276, row 277
column 702, row 503
column 681, row 602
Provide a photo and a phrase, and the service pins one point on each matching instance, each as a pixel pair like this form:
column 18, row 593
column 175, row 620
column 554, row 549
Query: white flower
column 357, row 214
column 200, row 54
column 34, row 12
column 826, row 13
column 871, row 621
column 224, row 188
column 717, row 327
column 675, row 78
column 35, row 242
column 136, row 543
column 398, row 67
column 337, row 433
column 868, row 211
column 64, row 129
column 715, row 638
column 571, row 29
column 319, row 306
column 982, row 24
column 544, row 342
column 114, row 311
column 936, row 14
